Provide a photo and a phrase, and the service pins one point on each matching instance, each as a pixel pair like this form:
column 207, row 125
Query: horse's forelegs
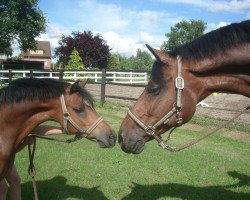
column 6, row 162
column 3, row 189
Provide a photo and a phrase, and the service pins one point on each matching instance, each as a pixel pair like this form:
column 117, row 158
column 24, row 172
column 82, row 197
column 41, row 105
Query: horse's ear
column 159, row 55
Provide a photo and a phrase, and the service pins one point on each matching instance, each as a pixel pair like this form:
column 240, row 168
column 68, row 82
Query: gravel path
column 231, row 102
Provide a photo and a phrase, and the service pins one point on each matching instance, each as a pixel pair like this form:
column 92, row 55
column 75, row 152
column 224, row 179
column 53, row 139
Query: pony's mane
column 29, row 89
column 215, row 41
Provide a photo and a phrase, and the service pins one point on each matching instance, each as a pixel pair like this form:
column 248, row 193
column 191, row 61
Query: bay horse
column 215, row 62
column 27, row 102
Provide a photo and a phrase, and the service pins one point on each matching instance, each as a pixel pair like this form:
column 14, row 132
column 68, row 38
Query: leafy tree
column 93, row 50
column 114, row 61
column 75, row 61
column 21, row 21
column 142, row 60
column 125, row 63
column 182, row 33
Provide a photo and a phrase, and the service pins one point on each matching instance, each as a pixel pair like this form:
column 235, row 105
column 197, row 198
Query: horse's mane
column 215, row 41
column 28, row 89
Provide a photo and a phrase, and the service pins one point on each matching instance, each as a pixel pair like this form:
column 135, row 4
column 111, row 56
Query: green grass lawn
column 217, row 168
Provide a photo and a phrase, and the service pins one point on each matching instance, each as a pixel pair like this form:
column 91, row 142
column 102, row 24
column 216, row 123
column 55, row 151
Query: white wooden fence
column 96, row 76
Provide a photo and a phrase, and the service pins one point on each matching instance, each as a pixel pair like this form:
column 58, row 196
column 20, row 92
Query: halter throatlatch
column 150, row 130
column 67, row 118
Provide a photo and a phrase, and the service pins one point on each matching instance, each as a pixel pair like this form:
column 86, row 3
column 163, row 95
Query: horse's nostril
column 112, row 137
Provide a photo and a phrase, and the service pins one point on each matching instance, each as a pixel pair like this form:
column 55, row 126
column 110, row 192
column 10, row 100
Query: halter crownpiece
column 67, row 118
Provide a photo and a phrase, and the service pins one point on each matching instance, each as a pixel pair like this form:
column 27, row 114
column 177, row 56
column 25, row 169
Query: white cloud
column 53, row 33
column 215, row 6
column 123, row 45
column 127, row 45
column 100, row 16
column 213, row 26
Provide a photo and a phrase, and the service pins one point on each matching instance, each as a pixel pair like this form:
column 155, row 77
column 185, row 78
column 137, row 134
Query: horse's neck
column 28, row 115
column 228, row 72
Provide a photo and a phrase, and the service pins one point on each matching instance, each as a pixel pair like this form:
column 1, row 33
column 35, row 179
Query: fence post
column 10, row 75
column 61, row 75
column 31, row 73
column 103, row 85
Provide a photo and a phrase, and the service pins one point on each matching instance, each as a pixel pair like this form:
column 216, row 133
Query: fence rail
column 96, row 76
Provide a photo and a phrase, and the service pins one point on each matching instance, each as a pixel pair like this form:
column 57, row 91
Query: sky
column 127, row 25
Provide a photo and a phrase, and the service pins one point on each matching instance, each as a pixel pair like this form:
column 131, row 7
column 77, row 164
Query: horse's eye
column 154, row 89
column 78, row 110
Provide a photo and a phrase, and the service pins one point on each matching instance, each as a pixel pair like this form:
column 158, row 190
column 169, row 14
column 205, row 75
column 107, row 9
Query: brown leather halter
column 150, row 129
column 67, row 118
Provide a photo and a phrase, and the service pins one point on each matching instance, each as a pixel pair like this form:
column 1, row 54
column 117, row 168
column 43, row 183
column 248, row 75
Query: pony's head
column 80, row 117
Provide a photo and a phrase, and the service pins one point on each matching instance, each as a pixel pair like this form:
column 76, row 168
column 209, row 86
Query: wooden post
column 103, row 86
column 10, row 75
column 61, row 75
column 31, row 73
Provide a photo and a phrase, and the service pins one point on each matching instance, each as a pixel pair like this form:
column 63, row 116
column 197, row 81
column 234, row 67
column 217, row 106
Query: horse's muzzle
column 131, row 143
column 106, row 140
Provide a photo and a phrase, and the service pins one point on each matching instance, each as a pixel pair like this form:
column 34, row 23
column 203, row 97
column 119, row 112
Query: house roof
column 41, row 45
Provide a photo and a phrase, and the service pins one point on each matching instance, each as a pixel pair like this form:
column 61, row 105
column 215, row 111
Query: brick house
column 42, row 53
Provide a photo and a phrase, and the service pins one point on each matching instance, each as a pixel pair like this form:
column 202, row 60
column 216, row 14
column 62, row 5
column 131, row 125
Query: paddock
column 217, row 168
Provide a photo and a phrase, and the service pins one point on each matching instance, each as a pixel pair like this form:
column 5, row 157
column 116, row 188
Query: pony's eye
column 78, row 110
column 154, row 89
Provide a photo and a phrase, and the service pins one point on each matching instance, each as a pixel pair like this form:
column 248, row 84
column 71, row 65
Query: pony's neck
column 227, row 72
column 35, row 114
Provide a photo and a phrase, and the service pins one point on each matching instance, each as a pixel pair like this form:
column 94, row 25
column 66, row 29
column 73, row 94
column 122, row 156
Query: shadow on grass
column 57, row 189
column 190, row 192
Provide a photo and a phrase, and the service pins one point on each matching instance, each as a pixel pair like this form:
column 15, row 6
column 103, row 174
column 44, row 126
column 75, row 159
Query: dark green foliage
column 141, row 61
column 182, row 33
column 21, row 21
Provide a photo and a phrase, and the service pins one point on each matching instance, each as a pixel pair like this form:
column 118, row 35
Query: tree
column 182, row 33
column 21, row 21
column 114, row 61
column 142, row 60
column 93, row 50
column 75, row 61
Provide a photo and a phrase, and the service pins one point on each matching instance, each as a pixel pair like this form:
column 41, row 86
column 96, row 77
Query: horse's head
column 165, row 103
column 80, row 117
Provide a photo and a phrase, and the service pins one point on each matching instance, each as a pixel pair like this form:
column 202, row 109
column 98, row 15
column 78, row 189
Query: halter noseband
column 67, row 118
column 150, row 130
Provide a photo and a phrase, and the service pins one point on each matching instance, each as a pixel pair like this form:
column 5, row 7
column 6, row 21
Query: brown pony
column 217, row 61
column 26, row 103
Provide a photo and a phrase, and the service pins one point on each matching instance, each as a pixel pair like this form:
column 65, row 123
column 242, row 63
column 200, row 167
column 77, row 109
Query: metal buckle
column 150, row 130
column 179, row 83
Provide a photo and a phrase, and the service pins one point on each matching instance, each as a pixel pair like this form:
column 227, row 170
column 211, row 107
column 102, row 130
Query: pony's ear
column 73, row 88
column 159, row 55
column 82, row 83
